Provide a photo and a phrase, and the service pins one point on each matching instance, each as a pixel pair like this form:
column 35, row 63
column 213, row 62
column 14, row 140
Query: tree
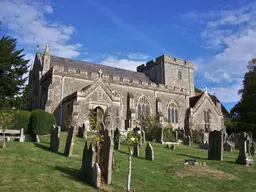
column 6, row 121
column 131, row 139
column 244, row 112
column 13, row 68
column 198, row 90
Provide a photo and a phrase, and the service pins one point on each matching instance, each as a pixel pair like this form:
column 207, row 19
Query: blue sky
column 218, row 36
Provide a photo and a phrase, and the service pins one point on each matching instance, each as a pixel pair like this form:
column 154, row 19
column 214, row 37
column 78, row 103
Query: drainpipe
column 61, row 98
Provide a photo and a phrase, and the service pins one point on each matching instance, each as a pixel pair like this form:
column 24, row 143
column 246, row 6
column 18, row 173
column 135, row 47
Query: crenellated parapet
column 165, row 59
column 83, row 74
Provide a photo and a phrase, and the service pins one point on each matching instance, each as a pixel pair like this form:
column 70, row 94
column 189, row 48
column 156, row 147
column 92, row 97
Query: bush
column 168, row 134
column 21, row 120
column 41, row 122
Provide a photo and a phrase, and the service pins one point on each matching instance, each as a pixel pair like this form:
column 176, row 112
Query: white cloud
column 123, row 63
column 137, row 56
column 48, row 9
column 231, row 34
column 31, row 27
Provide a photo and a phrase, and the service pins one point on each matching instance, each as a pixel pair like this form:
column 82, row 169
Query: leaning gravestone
column 149, row 152
column 187, row 140
column 242, row 157
column 215, row 151
column 227, row 146
column 55, row 139
column 106, row 153
column 70, row 141
column 136, row 150
column 237, row 140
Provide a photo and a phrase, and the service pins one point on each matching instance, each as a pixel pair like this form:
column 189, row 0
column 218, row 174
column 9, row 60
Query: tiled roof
column 195, row 99
column 92, row 67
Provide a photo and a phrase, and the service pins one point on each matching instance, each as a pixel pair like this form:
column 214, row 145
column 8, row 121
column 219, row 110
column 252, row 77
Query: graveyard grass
column 32, row 167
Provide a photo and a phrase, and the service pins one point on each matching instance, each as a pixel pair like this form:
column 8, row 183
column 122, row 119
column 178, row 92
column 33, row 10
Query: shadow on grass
column 191, row 156
column 75, row 174
column 46, row 148
column 132, row 156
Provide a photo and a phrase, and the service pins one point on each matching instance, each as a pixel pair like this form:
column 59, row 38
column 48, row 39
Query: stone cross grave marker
column 215, row 151
column 55, row 139
column 149, row 151
column 242, row 156
column 70, row 141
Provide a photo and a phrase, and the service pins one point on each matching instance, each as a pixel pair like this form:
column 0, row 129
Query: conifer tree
column 13, row 67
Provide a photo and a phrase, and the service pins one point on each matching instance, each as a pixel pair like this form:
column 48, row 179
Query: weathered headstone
column 106, row 153
column 237, row 140
column 88, row 161
column 173, row 147
column 81, row 131
column 96, row 176
column 37, row 139
column 227, row 146
column 22, row 136
column 187, row 140
column 242, row 157
column 55, row 139
column 215, row 151
column 117, row 139
column 70, row 141
column 143, row 136
column 168, row 146
column 149, row 152
column 252, row 149
column 136, row 150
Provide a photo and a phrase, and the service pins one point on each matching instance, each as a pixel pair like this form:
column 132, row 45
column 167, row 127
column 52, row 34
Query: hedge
column 41, row 122
column 21, row 120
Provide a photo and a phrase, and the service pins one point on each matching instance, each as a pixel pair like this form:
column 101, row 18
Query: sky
column 219, row 37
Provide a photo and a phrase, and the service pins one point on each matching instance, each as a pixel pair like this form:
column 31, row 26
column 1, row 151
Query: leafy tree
column 198, row 90
column 244, row 112
column 13, row 67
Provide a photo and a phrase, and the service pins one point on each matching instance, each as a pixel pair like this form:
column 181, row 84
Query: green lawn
column 32, row 167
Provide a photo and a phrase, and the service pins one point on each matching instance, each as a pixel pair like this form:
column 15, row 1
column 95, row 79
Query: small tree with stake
column 131, row 140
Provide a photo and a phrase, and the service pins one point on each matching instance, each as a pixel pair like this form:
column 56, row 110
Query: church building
column 69, row 89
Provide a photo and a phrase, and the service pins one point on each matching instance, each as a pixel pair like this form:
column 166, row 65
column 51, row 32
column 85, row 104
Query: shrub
column 168, row 133
column 41, row 122
column 21, row 120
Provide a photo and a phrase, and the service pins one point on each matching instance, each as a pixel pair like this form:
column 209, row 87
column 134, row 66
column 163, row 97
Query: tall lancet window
column 207, row 117
column 143, row 107
column 173, row 113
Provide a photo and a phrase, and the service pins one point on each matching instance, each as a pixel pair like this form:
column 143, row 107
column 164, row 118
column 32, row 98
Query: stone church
column 165, row 86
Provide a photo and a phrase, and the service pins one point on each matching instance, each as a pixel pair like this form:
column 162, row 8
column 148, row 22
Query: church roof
column 193, row 101
column 92, row 67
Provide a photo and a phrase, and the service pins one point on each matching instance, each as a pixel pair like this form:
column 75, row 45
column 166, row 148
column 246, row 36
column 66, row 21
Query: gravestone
column 242, row 156
column 215, row 151
column 81, row 131
column 55, row 139
column 206, row 137
column 252, row 149
column 237, row 142
column 227, row 146
column 88, row 161
column 176, row 134
column 143, row 136
column 96, row 176
column 187, row 140
column 173, row 147
column 117, row 139
column 106, row 155
column 70, row 141
column 22, row 136
column 149, row 152
column 136, row 150
column 168, row 146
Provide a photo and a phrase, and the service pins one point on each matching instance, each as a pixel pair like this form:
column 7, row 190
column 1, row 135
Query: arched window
column 173, row 113
column 207, row 122
column 143, row 107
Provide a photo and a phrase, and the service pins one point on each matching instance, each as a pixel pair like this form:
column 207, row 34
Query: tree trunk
column 129, row 171
column 4, row 143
